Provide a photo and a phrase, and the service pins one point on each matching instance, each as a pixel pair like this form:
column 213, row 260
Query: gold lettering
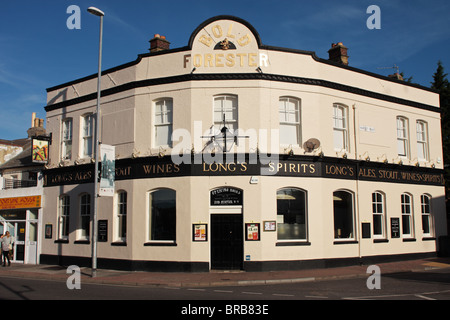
column 219, row 60
column 217, row 31
column 312, row 168
column 207, row 41
column 208, row 60
column 229, row 34
column 252, row 60
column 245, row 40
column 198, row 60
column 243, row 166
column 241, row 57
column 230, row 60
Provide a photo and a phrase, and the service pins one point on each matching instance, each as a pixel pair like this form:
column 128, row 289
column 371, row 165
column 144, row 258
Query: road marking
column 423, row 297
column 251, row 292
column 282, row 295
column 197, row 289
column 224, row 291
column 316, row 297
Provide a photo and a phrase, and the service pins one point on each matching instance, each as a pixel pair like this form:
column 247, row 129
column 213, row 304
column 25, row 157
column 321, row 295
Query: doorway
column 227, row 242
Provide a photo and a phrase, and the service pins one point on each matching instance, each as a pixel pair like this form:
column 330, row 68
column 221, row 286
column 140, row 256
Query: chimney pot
column 159, row 43
column 338, row 53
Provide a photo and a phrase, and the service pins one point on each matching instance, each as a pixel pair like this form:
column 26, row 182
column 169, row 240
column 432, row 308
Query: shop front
column 20, row 216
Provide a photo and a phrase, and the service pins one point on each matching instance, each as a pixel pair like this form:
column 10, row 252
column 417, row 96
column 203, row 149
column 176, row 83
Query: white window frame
column 165, row 116
column 230, row 123
column 407, row 210
column 340, row 127
column 88, row 122
column 121, row 215
column 290, row 118
column 280, row 218
column 426, row 211
column 352, row 236
column 66, row 138
column 379, row 212
column 84, row 214
column 149, row 219
column 422, row 140
column 402, row 137
column 64, row 217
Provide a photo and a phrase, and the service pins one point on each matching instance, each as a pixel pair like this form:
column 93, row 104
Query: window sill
column 380, row 240
column 119, row 244
column 160, row 244
column 293, row 243
column 82, row 242
column 428, row 239
column 345, row 242
column 409, row 240
column 62, row 241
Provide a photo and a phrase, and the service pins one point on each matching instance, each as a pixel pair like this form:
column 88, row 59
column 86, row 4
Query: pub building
column 232, row 154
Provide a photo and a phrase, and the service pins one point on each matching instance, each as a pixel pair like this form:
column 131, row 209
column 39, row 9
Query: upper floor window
column 402, row 137
column 66, row 143
column 163, row 122
column 427, row 220
column 340, row 127
column 226, row 110
column 289, row 115
column 291, row 214
column 87, row 135
column 422, row 140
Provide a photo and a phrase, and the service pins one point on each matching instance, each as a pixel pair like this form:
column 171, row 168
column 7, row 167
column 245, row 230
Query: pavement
column 216, row 278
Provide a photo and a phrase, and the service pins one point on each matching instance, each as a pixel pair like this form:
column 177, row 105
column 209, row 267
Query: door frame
column 239, row 215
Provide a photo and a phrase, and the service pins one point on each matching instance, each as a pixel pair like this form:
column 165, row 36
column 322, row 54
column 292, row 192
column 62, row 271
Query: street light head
column 95, row 11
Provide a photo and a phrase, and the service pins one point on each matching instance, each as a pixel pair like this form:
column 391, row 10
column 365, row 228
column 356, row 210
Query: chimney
column 159, row 43
column 338, row 53
column 396, row 75
column 37, row 127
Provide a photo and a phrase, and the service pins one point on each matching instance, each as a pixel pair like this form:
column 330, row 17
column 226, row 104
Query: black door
column 227, row 249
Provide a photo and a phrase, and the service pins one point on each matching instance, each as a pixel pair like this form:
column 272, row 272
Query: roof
column 23, row 159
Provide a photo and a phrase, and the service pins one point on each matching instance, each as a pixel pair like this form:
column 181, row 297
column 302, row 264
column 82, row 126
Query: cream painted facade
column 176, row 91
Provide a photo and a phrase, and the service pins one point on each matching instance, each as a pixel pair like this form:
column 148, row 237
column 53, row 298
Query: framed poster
column 48, row 231
column 200, row 232
column 270, row 226
column 39, row 150
column 252, row 231
column 395, row 227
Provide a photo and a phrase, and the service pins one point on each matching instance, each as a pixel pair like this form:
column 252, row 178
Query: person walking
column 7, row 242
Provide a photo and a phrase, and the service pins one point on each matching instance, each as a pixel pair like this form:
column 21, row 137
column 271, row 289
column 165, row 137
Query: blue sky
column 38, row 51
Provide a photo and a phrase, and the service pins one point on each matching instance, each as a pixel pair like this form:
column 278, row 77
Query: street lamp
column 98, row 13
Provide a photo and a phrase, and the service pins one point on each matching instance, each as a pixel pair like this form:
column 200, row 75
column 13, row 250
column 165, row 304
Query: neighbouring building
column 232, row 154
column 21, row 196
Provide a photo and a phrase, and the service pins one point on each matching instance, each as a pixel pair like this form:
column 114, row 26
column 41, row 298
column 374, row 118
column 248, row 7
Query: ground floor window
column 291, row 214
column 425, row 201
column 343, row 215
column 162, row 217
column 407, row 220
column 378, row 209
column 85, row 216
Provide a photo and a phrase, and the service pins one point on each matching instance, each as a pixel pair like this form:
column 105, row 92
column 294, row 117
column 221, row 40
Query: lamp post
column 100, row 14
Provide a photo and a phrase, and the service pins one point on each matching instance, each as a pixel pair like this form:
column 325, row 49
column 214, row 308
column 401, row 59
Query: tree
column 442, row 86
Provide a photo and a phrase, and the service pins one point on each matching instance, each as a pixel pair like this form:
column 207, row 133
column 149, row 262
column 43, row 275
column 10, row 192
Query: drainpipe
column 358, row 222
